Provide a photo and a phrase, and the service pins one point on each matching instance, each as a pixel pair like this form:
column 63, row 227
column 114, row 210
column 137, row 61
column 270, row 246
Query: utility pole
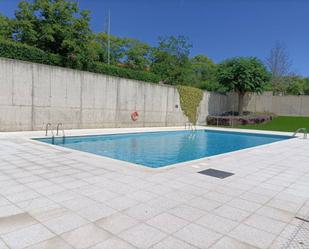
column 108, row 38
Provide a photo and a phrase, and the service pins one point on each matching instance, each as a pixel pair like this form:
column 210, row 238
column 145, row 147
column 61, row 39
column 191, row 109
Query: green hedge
column 14, row 50
column 19, row 51
column 125, row 73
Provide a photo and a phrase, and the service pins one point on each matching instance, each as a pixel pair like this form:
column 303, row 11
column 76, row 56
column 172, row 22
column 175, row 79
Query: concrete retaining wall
column 280, row 105
column 32, row 95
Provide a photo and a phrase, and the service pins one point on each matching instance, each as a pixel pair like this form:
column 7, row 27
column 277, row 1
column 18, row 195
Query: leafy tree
column 295, row 86
column 117, row 48
column 202, row 74
column 137, row 54
column 243, row 74
column 56, row 26
column 306, row 86
column 170, row 60
column 6, row 28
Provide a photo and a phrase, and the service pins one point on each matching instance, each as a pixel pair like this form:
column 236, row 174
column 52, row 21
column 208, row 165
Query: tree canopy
column 242, row 75
column 6, row 28
column 55, row 26
column 170, row 60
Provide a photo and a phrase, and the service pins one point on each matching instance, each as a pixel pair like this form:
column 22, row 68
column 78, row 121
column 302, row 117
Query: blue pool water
column 158, row 149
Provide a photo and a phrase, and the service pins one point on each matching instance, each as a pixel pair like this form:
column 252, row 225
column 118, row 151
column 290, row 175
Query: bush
column 19, row 51
column 190, row 99
column 13, row 50
column 228, row 120
column 124, row 72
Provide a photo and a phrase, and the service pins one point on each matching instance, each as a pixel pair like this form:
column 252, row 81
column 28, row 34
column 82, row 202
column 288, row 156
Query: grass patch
column 281, row 123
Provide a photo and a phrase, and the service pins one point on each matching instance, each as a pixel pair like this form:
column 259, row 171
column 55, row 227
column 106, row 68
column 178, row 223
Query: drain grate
column 300, row 237
column 216, row 173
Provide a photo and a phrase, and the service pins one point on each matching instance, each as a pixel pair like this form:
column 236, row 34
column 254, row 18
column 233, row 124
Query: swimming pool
column 158, row 149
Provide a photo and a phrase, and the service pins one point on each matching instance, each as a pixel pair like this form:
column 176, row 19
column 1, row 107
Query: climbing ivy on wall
column 190, row 98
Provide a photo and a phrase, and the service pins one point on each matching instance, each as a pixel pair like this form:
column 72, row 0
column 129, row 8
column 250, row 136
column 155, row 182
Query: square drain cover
column 216, row 173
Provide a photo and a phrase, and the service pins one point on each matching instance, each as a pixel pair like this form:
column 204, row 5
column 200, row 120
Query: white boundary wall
column 32, row 95
column 281, row 105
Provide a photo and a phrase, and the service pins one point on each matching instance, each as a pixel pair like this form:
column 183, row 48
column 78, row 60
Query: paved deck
column 52, row 197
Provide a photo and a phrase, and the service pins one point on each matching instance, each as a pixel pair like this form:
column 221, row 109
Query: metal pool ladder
column 51, row 130
column 304, row 130
column 190, row 126
column 63, row 134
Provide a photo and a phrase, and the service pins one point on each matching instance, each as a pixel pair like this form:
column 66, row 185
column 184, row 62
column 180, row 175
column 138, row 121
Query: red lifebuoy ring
column 134, row 115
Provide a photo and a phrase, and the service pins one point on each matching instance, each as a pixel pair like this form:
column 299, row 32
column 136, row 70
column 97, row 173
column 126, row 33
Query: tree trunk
column 241, row 103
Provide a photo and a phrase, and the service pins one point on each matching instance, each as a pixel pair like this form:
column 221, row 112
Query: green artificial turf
column 281, row 123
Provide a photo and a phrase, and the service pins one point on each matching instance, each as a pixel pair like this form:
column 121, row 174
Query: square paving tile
column 14, row 222
column 187, row 212
column 54, row 243
column 142, row 196
column 8, row 210
column 218, row 197
column 143, row 212
column 229, row 243
column 27, row 236
column 85, row 236
column 266, row 224
column 167, row 223
column 116, row 223
column 142, row 236
column 217, row 223
column 253, row 236
column 121, row 203
column 198, row 236
column 36, row 203
column 173, row 243
column 3, row 245
column 65, row 223
column 276, row 214
column 231, row 213
column 3, row 201
column 203, row 203
column 96, row 212
column 48, row 212
column 244, row 204
column 113, row 243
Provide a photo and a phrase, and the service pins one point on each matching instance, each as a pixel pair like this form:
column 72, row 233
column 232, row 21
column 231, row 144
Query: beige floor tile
column 167, row 223
column 173, row 243
column 116, row 223
column 65, row 223
column 198, row 236
column 27, row 236
column 232, row 213
column 85, row 236
column 266, row 224
column 253, row 236
column 217, row 223
column 54, row 243
column 15, row 222
column 229, row 243
column 187, row 212
column 113, row 243
column 142, row 236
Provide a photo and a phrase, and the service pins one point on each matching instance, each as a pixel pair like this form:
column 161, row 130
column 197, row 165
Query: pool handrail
column 304, row 130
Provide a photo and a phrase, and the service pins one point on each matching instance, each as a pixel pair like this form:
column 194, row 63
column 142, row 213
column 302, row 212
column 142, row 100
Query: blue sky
column 217, row 28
